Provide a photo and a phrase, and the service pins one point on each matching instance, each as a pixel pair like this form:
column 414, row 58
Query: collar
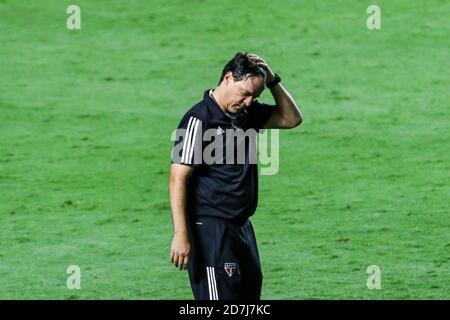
column 212, row 105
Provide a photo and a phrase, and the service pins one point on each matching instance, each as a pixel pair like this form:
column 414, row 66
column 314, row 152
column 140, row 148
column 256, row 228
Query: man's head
column 241, row 82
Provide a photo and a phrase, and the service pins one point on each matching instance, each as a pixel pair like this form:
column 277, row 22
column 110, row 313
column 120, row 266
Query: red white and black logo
column 230, row 268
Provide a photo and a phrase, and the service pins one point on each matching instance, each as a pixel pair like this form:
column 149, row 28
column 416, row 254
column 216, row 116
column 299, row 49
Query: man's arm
column 180, row 249
column 286, row 114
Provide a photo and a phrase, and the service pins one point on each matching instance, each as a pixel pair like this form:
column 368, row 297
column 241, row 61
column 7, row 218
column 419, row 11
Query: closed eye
column 248, row 94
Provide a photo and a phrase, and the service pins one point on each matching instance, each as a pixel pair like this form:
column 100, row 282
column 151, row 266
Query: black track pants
column 224, row 262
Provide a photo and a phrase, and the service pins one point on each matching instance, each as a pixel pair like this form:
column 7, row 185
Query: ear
column 228, row 77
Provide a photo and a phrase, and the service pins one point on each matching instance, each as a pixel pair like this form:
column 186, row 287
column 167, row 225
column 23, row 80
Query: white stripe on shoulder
column 188, row 139
column 189, row 126
column 189, row 145
column 189, row 160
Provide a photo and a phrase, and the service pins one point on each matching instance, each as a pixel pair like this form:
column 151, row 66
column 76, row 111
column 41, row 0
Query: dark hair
column 241, row 66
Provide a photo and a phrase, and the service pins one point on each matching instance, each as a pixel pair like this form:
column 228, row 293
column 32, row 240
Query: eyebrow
column 248, row 92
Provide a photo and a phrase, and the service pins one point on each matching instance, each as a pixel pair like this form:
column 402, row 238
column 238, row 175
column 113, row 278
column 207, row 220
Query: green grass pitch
column 85, row 123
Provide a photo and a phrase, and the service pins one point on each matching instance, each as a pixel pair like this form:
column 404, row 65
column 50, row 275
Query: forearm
column 286, row 106
column 177, row 189
column 180, row 248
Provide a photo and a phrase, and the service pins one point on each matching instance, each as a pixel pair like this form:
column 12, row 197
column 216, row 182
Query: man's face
column 240, row 94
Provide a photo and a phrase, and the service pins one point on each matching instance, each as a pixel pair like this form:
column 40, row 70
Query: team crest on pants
column 230, row 268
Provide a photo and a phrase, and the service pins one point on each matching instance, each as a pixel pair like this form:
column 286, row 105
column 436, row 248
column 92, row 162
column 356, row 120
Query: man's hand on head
column 270, row 76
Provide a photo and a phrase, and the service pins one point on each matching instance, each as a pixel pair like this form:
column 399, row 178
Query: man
column 211, row 202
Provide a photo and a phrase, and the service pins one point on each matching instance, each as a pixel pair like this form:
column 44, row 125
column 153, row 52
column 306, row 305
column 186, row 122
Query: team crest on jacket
column 230, row 268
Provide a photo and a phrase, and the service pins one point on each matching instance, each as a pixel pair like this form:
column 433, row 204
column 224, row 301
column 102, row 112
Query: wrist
column 270, row 77
column 180, row 232
column 273, row 82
